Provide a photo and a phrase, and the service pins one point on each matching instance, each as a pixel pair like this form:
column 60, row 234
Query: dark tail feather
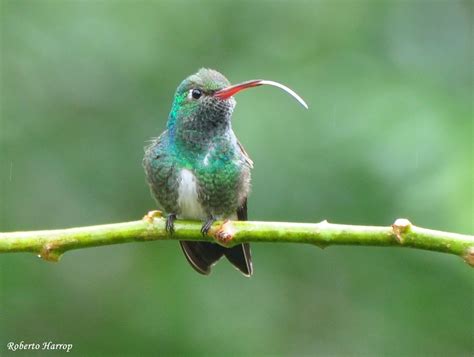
column 240, row 257
column 202, row 255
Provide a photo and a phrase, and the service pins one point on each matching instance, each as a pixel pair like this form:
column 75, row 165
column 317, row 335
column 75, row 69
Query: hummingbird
column 198, row 170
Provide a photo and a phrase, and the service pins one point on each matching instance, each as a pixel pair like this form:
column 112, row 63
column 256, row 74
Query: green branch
column 51, row 244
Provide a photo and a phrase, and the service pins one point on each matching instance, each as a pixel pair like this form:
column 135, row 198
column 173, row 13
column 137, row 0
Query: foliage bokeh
column 85, row 84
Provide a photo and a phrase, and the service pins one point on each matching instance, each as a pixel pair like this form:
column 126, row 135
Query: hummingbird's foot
column 151, row 215
column 207, row 225
column 170, row 223
column 225, row 233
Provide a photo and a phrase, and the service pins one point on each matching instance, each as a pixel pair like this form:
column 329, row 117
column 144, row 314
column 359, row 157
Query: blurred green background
column 84, row 85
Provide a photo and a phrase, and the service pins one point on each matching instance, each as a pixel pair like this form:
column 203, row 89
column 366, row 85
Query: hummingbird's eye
column 196, row 93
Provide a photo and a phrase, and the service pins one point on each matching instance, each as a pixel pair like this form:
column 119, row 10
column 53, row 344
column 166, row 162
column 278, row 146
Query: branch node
column 152, row 215
column 401, row 226
column 50, row 253
column 469, row 256
column 225, row 233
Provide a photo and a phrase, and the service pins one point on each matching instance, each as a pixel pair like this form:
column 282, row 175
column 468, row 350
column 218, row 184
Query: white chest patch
column 188, row 197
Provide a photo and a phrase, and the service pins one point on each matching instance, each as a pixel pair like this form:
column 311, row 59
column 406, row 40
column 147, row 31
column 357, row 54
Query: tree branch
column 51, row 244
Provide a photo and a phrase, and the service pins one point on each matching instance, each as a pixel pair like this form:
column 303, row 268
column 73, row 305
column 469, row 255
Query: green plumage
column 220, row 166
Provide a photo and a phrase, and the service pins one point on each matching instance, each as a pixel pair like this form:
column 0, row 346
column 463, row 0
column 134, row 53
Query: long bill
column 230, row 91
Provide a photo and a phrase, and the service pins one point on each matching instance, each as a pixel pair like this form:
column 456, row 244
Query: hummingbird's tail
column 203, row 255
column 240, row 257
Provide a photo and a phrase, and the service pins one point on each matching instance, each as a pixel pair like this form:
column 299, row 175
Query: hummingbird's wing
column 249, row 163
column 242, row 211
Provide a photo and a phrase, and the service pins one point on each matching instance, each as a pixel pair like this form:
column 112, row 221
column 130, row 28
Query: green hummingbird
column 197, row 169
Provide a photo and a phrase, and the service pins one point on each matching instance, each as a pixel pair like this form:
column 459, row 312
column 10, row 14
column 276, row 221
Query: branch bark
column 52, row 244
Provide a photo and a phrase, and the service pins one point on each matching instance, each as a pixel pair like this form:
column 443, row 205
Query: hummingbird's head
column 195, row 103
column 205, row 101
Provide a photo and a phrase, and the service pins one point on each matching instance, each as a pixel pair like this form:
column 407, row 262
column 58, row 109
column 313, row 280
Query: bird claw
column 169, row 226
column 207, row 225
column 151, row 215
